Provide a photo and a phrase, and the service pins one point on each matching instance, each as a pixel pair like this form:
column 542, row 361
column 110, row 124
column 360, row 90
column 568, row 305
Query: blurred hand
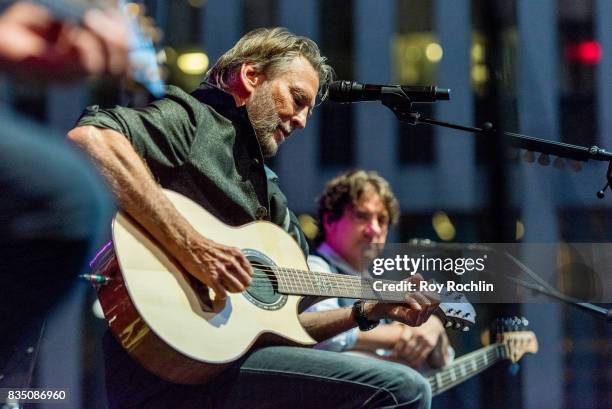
column 35, row 44
column 415, row 345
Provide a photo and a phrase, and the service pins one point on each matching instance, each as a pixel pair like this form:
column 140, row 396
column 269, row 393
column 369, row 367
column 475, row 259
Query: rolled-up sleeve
column 163, row 131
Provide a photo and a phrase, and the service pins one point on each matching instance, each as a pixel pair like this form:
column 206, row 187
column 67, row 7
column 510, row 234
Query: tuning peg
column 575, row 165
column 504, row 325
column 529, row 156
column 544, row 160
column 448, row 324
column 465, row 328
column 516, row 323
column 559, row 163
column 467, row 314
column 525, row 321
column 457, row 325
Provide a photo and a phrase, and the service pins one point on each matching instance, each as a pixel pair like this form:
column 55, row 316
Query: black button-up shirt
column 203, row 146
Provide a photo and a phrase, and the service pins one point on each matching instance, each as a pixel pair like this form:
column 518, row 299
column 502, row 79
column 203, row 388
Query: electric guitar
column 510, row 345
column 177, row 329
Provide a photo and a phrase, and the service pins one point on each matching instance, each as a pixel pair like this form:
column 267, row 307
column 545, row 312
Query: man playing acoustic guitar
column 210, row 145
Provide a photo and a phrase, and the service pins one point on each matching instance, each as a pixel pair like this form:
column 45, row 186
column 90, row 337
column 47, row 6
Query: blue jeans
column 54, row 211
column 273, row 377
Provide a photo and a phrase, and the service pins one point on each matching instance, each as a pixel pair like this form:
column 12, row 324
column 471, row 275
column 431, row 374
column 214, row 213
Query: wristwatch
column 361, row 319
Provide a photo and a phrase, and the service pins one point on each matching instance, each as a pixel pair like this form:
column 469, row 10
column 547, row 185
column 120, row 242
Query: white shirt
column 345, row 340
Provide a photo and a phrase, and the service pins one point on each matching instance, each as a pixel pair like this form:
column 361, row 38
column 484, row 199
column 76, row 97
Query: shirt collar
column 220, row 100
column 223, row 102
column 344, row 267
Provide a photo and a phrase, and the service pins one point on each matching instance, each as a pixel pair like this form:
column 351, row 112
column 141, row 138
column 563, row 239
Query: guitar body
column 171, row 324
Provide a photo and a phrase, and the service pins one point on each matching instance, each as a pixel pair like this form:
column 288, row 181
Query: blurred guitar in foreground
column 144, row 67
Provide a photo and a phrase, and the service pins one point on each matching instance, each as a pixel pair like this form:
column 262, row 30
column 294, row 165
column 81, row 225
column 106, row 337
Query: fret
column 465, row 367
column 309, row 280
column 280, row 279
column 300, row 282
column 304, row 282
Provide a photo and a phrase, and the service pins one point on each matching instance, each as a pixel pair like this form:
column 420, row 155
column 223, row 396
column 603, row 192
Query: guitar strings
column 305, row 279
column 346, row 281
column 351, row 284
column 302, row 279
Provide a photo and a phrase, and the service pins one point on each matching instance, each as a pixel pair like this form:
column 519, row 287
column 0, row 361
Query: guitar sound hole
column 263, row 291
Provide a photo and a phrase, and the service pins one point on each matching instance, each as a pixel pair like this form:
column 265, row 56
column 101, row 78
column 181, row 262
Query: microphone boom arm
column 402, row 108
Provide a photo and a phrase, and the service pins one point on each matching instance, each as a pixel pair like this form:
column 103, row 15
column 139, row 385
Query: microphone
column 351, row 91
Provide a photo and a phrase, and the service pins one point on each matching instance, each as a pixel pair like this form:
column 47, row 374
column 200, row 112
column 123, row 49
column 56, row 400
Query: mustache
column 287, row 129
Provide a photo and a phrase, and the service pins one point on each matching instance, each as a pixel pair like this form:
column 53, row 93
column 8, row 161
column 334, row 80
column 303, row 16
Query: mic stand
column 544, row 288
column 597, row 311
column 402, row 108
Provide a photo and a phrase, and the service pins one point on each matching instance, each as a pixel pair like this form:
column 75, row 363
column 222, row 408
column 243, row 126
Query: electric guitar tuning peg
column 559, row 163
column 529, row 156
column 544, row 160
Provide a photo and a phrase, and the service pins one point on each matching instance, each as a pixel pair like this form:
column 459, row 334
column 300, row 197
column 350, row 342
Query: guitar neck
column 301, row 282
column 465, row 367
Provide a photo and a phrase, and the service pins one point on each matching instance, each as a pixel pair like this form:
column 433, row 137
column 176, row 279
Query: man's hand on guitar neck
column 416, row 309
column 34, row 43
column 419, row 306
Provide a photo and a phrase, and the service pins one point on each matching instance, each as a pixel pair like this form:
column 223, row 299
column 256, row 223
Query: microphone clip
column 401, row 105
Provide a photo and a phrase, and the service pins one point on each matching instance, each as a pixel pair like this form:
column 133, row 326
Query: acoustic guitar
column 172, row 324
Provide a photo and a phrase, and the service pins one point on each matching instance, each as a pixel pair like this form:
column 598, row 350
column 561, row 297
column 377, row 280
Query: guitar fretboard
column 301, row 282
column 465, row 367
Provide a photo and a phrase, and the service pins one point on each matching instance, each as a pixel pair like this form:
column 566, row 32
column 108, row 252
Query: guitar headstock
column 144, row 66
column 516, row 340
column 455, row 311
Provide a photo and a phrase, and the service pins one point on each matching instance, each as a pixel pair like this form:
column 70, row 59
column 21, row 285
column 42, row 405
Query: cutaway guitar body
column 171, row 324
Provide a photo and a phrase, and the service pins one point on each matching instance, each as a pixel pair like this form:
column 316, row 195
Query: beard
column 264, row 119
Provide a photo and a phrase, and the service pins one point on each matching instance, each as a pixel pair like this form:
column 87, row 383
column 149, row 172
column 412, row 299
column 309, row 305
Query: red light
column 584, row 52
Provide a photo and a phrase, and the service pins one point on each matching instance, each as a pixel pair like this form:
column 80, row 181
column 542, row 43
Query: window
column 336, row 134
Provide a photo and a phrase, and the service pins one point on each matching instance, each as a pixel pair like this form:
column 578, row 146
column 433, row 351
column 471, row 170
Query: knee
column 410, row 388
